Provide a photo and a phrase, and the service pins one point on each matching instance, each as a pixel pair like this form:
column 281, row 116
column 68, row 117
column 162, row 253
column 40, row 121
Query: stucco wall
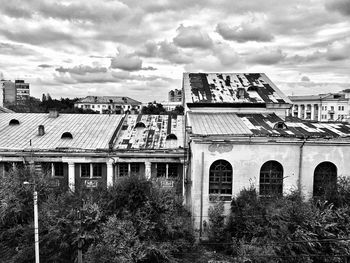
column 247, row 159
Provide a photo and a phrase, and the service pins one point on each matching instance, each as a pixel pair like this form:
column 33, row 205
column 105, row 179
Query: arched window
column 140, row 125
column 67, row 135
column 325, row 178
column 171, row 136
column 220, row 178
column 271, row 179
column 14, row 122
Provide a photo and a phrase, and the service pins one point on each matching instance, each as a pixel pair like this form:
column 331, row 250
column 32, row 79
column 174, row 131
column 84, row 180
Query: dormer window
column 140, row 125
column 67, row 135
column 13, row 122
column 171, row 136
column 280, row 125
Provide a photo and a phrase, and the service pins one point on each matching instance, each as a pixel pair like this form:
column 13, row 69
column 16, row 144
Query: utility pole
column 36, row 225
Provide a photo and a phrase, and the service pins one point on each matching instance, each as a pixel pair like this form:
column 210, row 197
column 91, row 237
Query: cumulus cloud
column 252, row 30
column 338, row 50
column 266, row 57
column 170, row 52
column 149, row 49
column 126, row 61
column 341, row 6
column 81, row 70
column 192, row 37
column 305, row 78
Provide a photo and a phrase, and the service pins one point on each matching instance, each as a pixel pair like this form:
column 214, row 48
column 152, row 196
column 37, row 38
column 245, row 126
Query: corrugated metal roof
column 109, row 99
column 231, row 88
column 262, row 125
column 90, row 131
column 217, row 124
column 150, row 132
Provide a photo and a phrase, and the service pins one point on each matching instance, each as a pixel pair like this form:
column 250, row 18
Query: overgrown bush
column 135, row 221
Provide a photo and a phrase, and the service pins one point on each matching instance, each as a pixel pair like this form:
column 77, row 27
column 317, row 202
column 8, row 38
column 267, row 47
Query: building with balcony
column 109, row 104
column 323, row 107
column 14, row 92
column 175, row 95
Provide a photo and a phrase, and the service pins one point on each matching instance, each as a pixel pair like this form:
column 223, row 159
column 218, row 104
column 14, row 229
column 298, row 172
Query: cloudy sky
column 75, row 48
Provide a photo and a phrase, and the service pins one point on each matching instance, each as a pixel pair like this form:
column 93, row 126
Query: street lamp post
column 36, row 223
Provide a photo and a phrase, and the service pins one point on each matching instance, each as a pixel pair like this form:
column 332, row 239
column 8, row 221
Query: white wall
column 247, row 159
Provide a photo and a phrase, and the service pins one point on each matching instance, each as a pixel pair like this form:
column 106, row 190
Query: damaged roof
column 233, row 88
column 150, row 132
column 263, row 125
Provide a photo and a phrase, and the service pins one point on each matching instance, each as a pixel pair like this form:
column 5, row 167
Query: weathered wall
column 247, row 159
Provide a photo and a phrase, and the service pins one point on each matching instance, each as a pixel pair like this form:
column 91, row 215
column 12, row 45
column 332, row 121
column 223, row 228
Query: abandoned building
column 235, row 133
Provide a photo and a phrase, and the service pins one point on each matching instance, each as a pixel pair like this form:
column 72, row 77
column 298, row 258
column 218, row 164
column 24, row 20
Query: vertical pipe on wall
column 300, row 164
column 201, row 201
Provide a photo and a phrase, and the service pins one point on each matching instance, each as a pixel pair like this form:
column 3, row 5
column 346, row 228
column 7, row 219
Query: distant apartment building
column 14, row 92
column 175, row 95
column 170, row 105
column 323, row 107
column 109, row 104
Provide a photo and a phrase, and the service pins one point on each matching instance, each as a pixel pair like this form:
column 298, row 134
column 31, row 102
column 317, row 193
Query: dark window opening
column 325, row 178
column 161, row 170
column 85, row 170
column 67, row 135
column 14, row 122
column 140, row 125
column 172, row 170
column 97, row 169
column 171, row 136
column 123, row 169
column 58, row 169
column 220, row 178
column 134, row 168
column 271, row 179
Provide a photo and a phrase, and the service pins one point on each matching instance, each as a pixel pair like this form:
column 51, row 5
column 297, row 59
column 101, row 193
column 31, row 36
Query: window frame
column 271, row 179
column 220, row 178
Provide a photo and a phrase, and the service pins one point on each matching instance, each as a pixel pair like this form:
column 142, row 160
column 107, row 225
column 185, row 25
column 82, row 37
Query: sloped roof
column 242, row 124
column 233, row 88
column 89, row 131
column 150, row 132
column 5, row 110
column 315, row 97
column 109, row 99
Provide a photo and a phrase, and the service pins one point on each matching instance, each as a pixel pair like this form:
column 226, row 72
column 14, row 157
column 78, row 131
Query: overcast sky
column 140, row 48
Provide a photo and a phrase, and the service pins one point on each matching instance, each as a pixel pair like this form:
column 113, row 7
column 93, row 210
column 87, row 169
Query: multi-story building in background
column 175, row 95
column 322, row 107
column 109, row 104
column 14, row 92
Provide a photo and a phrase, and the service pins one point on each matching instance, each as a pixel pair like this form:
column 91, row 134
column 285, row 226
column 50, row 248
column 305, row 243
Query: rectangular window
column 161, row 170
column 57, row 169
column 134, row 168
column 332, row 107
column 172, row 170
column 97, row 169
column 85, row 170
column 123, row 169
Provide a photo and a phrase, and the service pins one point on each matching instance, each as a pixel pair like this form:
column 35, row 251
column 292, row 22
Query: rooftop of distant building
column 231, row 88
column 109, row 99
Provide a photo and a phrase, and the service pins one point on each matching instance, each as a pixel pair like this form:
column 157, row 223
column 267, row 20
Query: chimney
column 53, row 113
column 41, row 130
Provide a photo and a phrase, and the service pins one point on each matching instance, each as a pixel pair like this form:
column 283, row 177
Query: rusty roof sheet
column 150, row 132
column 234, row 88
column 89, row 131
column 263, row 125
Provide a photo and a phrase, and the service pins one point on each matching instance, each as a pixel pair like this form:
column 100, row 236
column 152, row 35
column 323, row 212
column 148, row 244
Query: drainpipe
column 300, row 164
column 201, row 204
